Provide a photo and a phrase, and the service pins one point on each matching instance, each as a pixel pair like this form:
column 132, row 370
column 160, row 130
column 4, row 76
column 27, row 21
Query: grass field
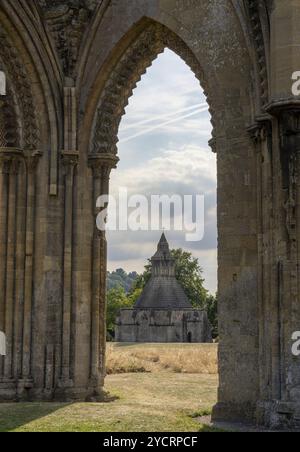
column 178, row 358
column 169, row 397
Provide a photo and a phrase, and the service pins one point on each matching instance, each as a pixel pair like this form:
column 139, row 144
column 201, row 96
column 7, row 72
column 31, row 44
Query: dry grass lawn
column 167, row 396
column 178, row 358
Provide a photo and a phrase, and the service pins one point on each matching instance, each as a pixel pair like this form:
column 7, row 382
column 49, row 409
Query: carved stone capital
column 102, row 164
column 288, row 116
column 260, row 131
column 69, row 161
column 289, row 126
column 31, row 160
column 10, row 159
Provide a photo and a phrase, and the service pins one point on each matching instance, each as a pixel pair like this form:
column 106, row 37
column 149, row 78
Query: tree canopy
column 120, row 278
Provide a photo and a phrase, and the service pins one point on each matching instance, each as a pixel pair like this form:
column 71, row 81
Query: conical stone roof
column 163, row 291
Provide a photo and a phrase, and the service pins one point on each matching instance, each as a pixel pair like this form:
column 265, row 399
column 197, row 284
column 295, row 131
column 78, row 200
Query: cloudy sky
column 163, row 149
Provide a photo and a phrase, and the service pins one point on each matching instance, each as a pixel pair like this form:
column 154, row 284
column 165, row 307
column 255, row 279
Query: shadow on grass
column 204, row 418
column 16, row 415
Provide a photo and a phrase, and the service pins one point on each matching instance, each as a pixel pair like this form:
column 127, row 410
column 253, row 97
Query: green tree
column 119, row 278
column 211, row 306
column 116, row 300
column 134, row 295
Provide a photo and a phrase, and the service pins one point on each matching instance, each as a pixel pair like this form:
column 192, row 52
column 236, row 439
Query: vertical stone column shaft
column 4, row 174
column 260, row 136
column 106, row 170
column 10, row 270
column 96, row 284
column 70, row 160
column 31, row 165
column 101, row 167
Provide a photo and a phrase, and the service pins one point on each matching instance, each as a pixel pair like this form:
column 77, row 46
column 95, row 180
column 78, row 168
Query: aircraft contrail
column 151, row 129
column 167, row 115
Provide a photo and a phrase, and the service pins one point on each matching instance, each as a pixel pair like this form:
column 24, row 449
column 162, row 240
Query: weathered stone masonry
column 71, row 67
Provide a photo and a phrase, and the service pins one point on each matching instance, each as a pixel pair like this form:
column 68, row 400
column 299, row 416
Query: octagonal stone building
column 163, row 312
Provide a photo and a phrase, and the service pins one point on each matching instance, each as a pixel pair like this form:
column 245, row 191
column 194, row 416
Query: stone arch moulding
column 135, row 61
column 29, row 39
column 9, row 126
column 19, row 90
column 255, row 22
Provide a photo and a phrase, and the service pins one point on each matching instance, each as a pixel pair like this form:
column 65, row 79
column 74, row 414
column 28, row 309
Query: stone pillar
column 70, row 161
column 261, row 134
column 281, row 223
column 285, row 287
column 10, row 266
column 31, row 161
column 4, row 174
column 101, row 165
column 9, row 167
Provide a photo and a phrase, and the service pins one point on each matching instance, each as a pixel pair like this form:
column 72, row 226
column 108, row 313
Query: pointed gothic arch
column 125, row 75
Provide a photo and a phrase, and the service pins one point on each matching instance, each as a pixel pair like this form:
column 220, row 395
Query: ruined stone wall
column 162, row 326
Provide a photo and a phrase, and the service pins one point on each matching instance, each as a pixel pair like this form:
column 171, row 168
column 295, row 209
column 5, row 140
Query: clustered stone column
column 278, row 187
column 4, row 175
column 261, row 133
column 16, row 262
column 288, row 258
column 101, row 165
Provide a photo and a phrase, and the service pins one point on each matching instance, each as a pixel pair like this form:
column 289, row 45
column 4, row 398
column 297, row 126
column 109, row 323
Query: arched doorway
column 230, row 139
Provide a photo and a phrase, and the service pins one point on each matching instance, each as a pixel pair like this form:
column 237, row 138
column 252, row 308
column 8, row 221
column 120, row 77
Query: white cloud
column 190, row 166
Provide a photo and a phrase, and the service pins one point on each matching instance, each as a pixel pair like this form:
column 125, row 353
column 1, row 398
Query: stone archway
column 144, row 42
